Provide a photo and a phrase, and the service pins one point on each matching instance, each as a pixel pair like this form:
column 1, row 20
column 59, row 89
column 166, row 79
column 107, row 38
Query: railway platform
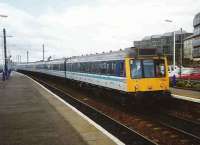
column 186, row 94
column 30, row 115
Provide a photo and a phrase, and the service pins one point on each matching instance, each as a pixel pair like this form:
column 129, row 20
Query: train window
column 120, row 68
column 159, row 68
column 102, row 67
column 109, row 68
column 68, row 67
column 55, row 66
column 62, row 67
column 45, row 66
column 148, row 68
column 93, row 67
column 51, row 66
column 114, row 68
column 136, row 69
column 73, row 67
column 97, row 67
column 78, row 67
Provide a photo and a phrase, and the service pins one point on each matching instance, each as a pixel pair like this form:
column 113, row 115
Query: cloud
column 86, row 28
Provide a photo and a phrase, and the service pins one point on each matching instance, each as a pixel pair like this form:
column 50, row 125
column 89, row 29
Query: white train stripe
column 100, row 80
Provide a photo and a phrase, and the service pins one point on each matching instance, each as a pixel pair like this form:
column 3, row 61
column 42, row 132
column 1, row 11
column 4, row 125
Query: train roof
column 55, row 61
column 115, row 55
column 112, row 55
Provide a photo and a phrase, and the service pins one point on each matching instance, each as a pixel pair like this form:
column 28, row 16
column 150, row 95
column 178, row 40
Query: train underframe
column 121, row 97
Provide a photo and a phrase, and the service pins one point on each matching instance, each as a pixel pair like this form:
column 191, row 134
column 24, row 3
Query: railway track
column 125, row 134
column 162, row 126
column 178, row 119
column 184, row 109
column 186, row 125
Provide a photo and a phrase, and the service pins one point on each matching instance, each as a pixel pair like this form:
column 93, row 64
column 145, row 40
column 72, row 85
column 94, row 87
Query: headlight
column 136, row 87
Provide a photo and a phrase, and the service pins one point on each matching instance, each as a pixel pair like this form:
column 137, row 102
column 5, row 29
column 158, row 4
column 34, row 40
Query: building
column 165, row 42
column 188, row 48
column 196, row 40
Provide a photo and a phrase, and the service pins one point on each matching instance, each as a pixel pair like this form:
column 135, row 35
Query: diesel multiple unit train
column 130, row 70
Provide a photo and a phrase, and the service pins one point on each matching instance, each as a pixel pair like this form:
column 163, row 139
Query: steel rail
column 128, row 136
column 185, row 126
column 125, row 134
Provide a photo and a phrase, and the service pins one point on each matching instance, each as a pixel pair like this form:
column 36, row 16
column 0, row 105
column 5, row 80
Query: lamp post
column 27, row 55
column 6, row 59
column 174, row 51
column 174, row 45
column 19, row 59
column 43, row 52
column 181, row 52
column 5, row 51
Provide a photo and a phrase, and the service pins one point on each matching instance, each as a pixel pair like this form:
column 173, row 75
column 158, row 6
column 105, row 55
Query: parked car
column 173, row 71
column 189, row 73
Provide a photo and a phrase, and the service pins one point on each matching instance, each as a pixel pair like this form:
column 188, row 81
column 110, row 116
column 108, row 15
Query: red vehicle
column 190, row 73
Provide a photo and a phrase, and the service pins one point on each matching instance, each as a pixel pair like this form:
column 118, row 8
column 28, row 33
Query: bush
column 187, row 84
column 197, row 86
column 180, row 83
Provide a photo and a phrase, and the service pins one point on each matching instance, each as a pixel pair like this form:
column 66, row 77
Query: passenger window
column 160, row 68
column 62, row 67
column 148, row 68
column 120, row 70
column 136, row 69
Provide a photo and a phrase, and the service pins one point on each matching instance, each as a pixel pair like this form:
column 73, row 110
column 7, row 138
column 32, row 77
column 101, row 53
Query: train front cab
column 147, row 75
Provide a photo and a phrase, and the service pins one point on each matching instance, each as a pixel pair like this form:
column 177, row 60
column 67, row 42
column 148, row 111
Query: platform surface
column 186, row 93
column 30, row 115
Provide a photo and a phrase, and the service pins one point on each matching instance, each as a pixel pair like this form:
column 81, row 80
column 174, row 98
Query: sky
column 75, row 27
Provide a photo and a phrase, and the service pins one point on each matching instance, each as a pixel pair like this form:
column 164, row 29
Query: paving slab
column 186, row 93
column 30, row 115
